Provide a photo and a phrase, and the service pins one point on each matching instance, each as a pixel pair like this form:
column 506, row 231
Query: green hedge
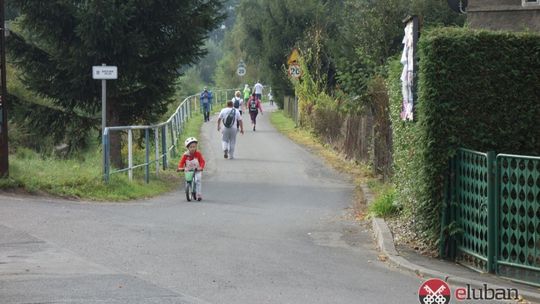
column 476, row 89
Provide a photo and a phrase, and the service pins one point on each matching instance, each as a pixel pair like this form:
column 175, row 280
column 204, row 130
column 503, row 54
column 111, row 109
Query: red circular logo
column 434, row 291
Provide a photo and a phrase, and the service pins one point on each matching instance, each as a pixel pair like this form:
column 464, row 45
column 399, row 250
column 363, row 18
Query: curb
column 385, row 241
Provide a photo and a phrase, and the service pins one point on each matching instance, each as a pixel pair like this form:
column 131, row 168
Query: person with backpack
column 206, row 103
column 238, row 104
column 254, row 106
column 229, row 116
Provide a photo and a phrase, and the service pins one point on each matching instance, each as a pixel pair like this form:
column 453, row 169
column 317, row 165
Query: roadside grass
column 383, row 204
column 81, row 177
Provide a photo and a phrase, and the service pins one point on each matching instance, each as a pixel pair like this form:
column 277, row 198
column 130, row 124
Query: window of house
column 530, row 2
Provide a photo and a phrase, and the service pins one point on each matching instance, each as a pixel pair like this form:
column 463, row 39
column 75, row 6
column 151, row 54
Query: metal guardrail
column 165, row 137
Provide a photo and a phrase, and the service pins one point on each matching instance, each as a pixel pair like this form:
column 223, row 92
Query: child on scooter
column 193, row 160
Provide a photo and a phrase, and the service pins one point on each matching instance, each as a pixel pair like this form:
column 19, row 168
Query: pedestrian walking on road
column 206, row 103
column 271, row 97
column 247, row 92
column 258, row 89
column 254, row 106
column 238, row 104
column 229, row 116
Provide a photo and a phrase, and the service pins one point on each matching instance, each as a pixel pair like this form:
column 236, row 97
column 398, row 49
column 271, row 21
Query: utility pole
column 4, row 151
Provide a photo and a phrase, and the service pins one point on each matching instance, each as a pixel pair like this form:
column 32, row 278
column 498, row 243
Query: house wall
column 503, row 15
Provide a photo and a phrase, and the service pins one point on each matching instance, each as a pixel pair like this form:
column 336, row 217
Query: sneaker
column 253, row 128
column 225, row 154
column 199, row 197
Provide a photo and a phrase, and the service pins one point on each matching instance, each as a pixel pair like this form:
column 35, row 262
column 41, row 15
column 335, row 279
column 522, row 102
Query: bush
column 477, row 90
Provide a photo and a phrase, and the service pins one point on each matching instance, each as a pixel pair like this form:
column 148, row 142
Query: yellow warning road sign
column 293, row 57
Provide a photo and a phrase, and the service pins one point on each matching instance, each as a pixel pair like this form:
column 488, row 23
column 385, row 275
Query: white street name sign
column 104, row 72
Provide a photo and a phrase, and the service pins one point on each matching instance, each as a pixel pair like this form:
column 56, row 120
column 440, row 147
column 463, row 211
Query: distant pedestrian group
column 230, row 120
column 229, row 123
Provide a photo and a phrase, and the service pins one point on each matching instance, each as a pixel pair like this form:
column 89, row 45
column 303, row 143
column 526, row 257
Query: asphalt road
column 274, row 226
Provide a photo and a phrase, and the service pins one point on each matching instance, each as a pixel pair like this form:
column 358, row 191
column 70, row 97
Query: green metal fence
column 518, row 194
column 494, row 204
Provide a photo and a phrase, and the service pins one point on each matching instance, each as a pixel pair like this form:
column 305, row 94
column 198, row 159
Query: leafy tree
column 61, row 40
column 371, row 33
column 208, row 64
column 273, row 28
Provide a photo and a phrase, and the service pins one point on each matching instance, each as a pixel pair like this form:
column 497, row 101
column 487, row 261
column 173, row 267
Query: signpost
column 4, row 151
column 104, row 72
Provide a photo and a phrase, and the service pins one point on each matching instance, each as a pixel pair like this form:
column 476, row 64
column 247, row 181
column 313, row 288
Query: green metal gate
column 471, row 214
column 518, row 206
column 495, row 204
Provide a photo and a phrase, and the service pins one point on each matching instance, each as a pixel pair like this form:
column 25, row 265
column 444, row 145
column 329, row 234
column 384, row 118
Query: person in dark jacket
column 206, row 103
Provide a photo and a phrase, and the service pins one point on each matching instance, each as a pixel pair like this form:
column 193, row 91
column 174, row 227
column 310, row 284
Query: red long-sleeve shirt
column 188, row 157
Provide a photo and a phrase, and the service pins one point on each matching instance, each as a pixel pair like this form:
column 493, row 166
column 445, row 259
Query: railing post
column 492, row 221
column 173, row 142
column 130, row 154
column 177, row 124
column 164, row 146
column 173, row 131
column 190, row 108
column 156, row 143
column 105, row 148
column 147, row 156
column 183, row 116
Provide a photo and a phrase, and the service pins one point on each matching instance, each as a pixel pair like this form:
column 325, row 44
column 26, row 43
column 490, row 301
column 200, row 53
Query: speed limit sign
column 295, row 71
column 241, row 71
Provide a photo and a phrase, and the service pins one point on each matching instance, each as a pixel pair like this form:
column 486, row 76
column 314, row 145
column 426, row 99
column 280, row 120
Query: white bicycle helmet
column 189, row 141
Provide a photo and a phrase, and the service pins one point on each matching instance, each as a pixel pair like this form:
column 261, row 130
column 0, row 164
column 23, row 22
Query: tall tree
column 149, row 40
column 273, row 28
column 372, row 31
